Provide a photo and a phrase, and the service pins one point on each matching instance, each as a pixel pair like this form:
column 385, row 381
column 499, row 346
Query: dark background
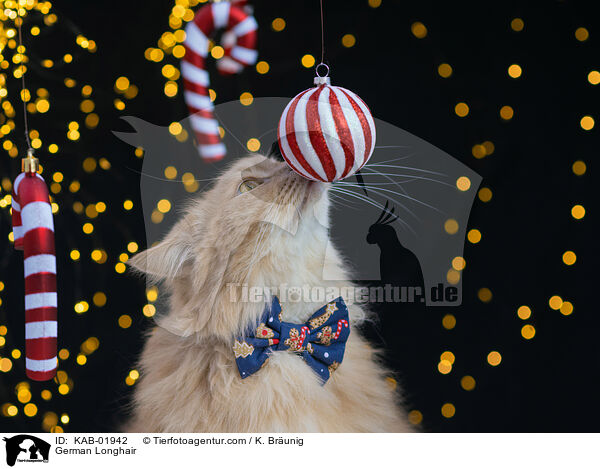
column 548, row 383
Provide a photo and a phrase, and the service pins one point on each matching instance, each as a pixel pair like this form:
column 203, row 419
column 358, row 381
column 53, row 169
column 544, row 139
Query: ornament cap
column 322, row 80
column 30, row 164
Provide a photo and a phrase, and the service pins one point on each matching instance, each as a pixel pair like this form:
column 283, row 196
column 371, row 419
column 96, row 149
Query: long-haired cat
column 259, row 225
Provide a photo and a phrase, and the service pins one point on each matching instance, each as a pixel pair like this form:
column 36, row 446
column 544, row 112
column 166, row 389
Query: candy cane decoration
column 304, row 331
column 341, row 323
column 33, row 229
column 239, row 43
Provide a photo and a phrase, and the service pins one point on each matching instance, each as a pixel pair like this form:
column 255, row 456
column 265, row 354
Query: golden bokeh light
column 30, row 410
column 152, row 293
column 149, row 310
column 262, row 67
column 448, row 356
column 444, row 367
column 308, row 61
column 278, row 24
column 582, row 34
column 579, row 168
column 494, row 358
column 444, row 70
column 217, row 52
column 566, row 308
column 415, row 417
column 555, row 302
column 449, row 321
column 587, row 122
column 448, row 410
column 578, row 212
column 467, row 383
column 524, row 312
column 517, row 24
column 594, row 77
column 484, row 294
column 418, row 29
column 170, row 172
column 451, row 226
column 246, row 98
column 485, row 194
column 569, row 257
column 5, row 365
column 458, row 263
column 463, row 183
column 506, row 112
column 452, row 277
column 348, row 40
column 478, row 151
column 528, row 331
column 515, row 71
column 253, row 144
column 99, row 299
column 461, row 109
column 125, row 321
column 474, row 236
column 163, row 206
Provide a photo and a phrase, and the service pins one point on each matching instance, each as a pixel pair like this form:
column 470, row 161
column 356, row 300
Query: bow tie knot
column 321, row 341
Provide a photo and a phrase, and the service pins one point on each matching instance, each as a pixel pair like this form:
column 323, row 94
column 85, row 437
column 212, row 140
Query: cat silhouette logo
column 26, row 448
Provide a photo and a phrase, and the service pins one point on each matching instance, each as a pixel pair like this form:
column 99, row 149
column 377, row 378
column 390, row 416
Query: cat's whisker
column 215, row 112
column 141, row 173
column 380, row 190
column 336, row 199
column 392, row 146
column 377, row 191
column 373, row 184
column 374, row 172
column 370, row 202
column 410, row 168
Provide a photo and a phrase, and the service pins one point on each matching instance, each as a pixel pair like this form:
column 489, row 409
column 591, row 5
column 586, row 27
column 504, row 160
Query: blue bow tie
column 321, row 340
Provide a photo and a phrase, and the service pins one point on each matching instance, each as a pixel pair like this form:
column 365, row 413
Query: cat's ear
column 166, row 259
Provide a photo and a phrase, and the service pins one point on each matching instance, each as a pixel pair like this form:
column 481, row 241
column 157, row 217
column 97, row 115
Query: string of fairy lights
column 38, row 19
column 14, row 60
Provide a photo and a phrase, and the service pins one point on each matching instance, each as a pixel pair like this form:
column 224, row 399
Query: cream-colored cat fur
column 273, row 234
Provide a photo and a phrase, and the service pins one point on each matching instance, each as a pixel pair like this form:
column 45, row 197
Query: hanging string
column 322, row 63
column 22, row 52
column 322, row 35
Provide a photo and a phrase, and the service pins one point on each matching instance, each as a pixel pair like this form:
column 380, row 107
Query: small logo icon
column 26, row 448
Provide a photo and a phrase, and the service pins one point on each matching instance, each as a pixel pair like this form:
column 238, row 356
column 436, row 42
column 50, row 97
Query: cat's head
column 259, row 224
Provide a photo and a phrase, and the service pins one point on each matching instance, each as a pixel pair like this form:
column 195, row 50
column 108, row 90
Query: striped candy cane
column 33, row 229
column 239, row 43
column 304, row 331
column 341, row 323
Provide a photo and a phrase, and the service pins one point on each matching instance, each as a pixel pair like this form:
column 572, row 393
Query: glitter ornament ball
column 326, row 133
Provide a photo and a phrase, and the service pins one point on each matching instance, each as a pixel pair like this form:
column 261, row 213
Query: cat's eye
column 248, row 185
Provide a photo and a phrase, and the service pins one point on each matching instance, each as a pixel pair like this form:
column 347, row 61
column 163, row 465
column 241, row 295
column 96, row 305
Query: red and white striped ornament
column 239, row 44
column 33, row 229
column 326, row 133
